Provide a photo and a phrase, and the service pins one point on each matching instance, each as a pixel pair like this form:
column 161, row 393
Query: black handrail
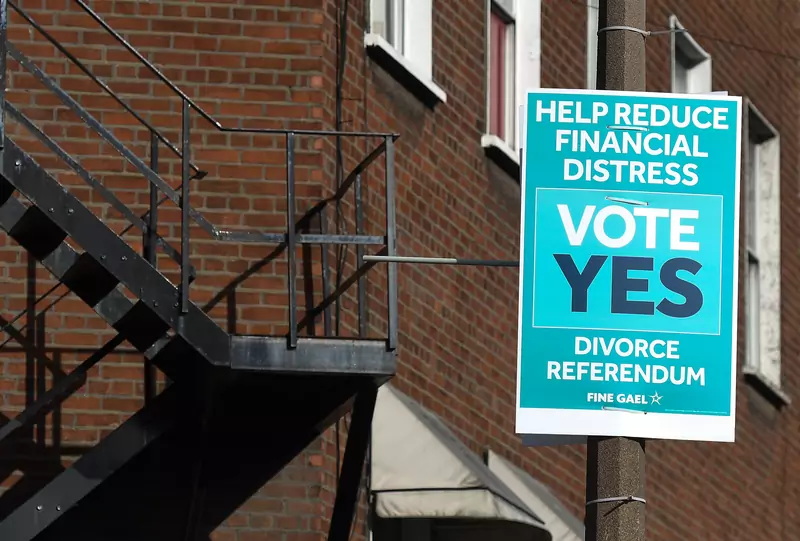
column 217, row 124
column 199, row 174
column 88, row 178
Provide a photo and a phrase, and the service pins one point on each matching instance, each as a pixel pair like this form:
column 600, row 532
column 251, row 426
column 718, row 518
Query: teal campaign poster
column 628, row 264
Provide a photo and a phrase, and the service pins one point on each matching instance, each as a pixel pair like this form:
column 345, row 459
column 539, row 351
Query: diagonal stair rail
column 199, row 174
column 95, row 184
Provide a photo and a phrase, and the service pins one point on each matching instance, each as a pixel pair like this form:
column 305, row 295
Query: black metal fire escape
column 237, row 408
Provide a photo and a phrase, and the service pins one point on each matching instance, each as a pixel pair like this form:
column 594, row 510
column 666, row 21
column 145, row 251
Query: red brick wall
column 273, row 63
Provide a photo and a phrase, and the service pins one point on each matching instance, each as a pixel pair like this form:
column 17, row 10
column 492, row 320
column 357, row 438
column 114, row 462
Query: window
column 512, row 67
column 387, row 21
column 502, row 91
column 762, row 315
column 401, row 40
column 691, row 64
column 592, row 14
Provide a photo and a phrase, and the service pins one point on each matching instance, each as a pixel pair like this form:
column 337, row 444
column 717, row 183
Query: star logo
column 656, row 398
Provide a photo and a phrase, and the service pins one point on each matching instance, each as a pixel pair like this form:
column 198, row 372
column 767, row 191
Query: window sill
column 403, row 71
column 771, row 392
column 502, row 154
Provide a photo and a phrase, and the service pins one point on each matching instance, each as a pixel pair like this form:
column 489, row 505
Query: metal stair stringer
column 94, row 468
column 90, row 282
column 60, row 214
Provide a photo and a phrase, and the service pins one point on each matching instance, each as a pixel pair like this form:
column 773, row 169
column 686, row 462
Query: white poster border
column 545, row 426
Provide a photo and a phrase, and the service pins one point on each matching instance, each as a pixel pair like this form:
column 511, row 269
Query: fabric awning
column 419, row 469
column 563, row 525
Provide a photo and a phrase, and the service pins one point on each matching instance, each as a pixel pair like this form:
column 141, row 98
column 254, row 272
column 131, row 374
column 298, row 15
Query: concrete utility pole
column 615, row 466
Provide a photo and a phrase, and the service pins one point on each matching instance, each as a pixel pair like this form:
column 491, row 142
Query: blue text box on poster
column 629, row 261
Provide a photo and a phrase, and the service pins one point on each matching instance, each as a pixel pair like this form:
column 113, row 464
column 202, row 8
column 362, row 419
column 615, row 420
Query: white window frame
column 687, row 56
column 404, row 42
column 394, row 19
column 592, row 25
column 526, row 15
column 506, row 9
column 761, row 213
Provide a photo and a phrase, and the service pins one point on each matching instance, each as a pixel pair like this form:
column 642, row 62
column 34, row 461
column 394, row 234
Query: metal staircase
column 234, row 412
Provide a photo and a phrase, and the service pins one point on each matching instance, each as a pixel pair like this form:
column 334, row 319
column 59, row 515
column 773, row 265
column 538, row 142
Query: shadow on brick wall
column 33, row 449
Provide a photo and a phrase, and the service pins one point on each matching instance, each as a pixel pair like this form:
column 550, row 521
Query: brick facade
column 272, row 63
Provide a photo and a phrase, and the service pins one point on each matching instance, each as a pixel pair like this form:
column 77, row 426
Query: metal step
column 37, row 234
column 93, row 284
column 57, row 214
column 79, row 272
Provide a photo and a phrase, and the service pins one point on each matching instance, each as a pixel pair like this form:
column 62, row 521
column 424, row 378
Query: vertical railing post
column 3, row 75
column 151, row 234
column 391, row 246
column 185, row 170
column 291, row 241
column 362, row 281
column 326, row 312
column 151, row 254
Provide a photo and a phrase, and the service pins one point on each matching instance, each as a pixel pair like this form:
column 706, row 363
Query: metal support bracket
column 344, row 508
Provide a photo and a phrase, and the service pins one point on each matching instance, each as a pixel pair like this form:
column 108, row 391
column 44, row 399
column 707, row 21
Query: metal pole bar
column 441, row 261
column 615, row 467
column 358, row 240
column 291, row 240
column 150, row 246
column 3, row 80
column 151, row 254
column 209, row 400
column 326, row 313
column 40, row 379
column 391, row 246
column 185, row 173
column 344, row 508
column 362, row 282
